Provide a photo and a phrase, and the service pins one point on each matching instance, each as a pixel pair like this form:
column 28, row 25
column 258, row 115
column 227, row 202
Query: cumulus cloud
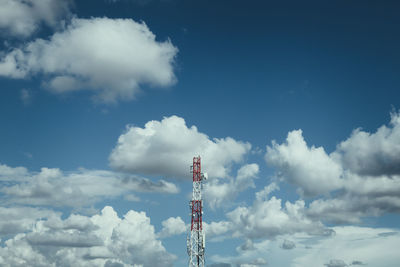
column 104, row 239
column 360, row 176
column 309, row 168
column 22, row 18
column 111, row 57
column 167, row 147
column 373, row 154
column 172, row 226
column 217, row 192
column 52, row 187
column 267, row 218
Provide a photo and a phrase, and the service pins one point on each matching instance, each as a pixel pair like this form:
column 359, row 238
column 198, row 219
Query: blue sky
column 294, row 108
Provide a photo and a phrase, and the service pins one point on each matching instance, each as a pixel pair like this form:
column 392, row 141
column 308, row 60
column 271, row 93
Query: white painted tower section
column 196, row 237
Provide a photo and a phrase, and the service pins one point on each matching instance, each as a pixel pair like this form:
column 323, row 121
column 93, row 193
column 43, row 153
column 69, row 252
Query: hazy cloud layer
column 52, row 187
column 167, row 148
column 351, row 246
column 20, row 219
column 22, row 18
column 111, row 57
column 336, row 263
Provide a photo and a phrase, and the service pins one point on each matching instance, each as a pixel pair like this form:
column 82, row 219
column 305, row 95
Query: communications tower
column 196, row 237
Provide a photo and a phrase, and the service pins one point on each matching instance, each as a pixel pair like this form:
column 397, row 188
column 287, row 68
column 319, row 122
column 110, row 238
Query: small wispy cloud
column 26, row 96
column 28, row 155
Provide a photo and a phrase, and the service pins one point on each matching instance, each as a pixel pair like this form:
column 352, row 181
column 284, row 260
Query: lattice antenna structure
column 196, row 238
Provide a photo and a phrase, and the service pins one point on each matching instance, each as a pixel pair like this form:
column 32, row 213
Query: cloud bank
column 103, row 239
column 82, row 188
column 360, row 178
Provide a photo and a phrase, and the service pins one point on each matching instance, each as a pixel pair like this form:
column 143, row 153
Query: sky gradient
column 293, row 107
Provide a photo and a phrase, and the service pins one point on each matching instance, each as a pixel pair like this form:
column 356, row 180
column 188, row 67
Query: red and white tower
column 196, row 237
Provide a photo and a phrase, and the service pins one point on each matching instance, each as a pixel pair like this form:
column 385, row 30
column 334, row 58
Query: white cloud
column 309, row 168
column 12, row 174
column 101, row 240
column 214, row 230
column 167, row 148
column 134, row 240
column 132, row 197
column 111, row 57
column 22, row 18
column 348, row 195
column 267, row 218
column 218, row 193
column 335, row 210
column 372, row 153
column 52, row 187
column 172, row 226
column 364, row 171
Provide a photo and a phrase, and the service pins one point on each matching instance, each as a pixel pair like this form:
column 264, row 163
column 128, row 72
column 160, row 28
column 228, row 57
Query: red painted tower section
column 197, row 222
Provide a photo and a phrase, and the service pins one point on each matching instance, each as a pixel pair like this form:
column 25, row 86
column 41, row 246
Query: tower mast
column 196, row 237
